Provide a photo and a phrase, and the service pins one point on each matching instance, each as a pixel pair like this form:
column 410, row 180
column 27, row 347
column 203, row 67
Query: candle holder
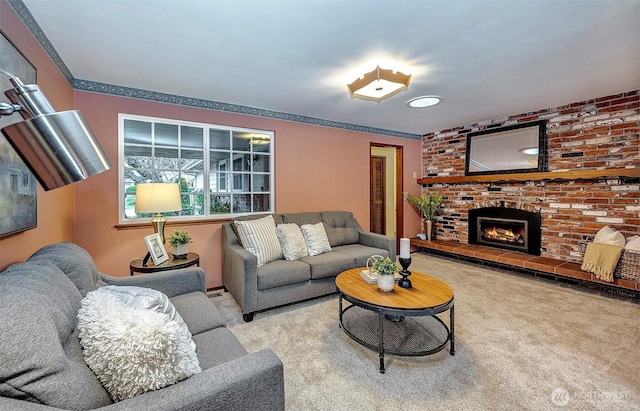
column 405, row 263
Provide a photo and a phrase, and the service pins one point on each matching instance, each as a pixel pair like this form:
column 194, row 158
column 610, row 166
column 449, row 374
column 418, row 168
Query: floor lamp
column 157, row 198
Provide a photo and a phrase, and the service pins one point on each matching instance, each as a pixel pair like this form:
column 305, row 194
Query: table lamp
column 157, row 198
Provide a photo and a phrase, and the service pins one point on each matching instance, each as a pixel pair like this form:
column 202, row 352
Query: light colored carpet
column 521, row 344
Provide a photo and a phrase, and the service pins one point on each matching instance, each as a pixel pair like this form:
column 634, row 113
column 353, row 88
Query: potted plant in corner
column 386, row 270
column 178, row 241
column 428, row 205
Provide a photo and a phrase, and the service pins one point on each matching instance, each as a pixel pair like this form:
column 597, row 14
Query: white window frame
column 203, row 179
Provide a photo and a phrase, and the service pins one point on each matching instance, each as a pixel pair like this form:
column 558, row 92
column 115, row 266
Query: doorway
column 386, row 190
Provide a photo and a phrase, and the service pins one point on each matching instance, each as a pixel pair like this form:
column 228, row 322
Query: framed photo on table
column 156, row 249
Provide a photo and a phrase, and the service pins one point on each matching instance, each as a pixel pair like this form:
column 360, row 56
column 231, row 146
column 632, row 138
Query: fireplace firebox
column 507, row 228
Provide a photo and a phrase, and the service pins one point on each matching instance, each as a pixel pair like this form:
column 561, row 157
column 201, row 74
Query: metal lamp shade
column 59, row 148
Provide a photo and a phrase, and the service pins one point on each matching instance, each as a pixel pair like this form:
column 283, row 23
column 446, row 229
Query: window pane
column 261, row 202
column 260, row 183
column 220, row 204
column 191, row 137
column 137, row 132
column 241, row 162
column 260, row 163
column 241, row 203
column 219, row 139
column 241, row 182
column 166, row 135
column 241, row 141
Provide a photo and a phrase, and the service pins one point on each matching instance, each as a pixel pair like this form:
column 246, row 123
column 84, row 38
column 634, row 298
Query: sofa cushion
column 340, row 227
column 302, row 218
column 132, row 350
column 360, row 253
column 292, row 241
column 74, row 261
column 198, row 312
column 259, row 238
column 282, row 272
column 328, row 264
column 42, row 359
column 218, row 346
column 316, row 239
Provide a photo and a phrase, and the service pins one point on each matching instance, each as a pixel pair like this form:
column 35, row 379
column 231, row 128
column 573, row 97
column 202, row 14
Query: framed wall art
column 18, row 202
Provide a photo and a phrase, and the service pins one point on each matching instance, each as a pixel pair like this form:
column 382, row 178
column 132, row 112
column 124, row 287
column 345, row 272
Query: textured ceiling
column 487, row 59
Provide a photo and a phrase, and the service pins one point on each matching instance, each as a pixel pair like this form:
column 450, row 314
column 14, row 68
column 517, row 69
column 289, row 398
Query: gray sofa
column 283, row 282
column 41, row 360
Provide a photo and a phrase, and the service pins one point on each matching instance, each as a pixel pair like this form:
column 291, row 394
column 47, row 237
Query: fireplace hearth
column 506, row 228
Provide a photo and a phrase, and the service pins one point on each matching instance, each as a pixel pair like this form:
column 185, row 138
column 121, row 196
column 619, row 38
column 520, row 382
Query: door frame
column 399, row 172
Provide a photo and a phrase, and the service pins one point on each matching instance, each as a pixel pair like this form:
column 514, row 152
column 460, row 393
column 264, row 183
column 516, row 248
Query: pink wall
column 317, row 168
column 55, row 208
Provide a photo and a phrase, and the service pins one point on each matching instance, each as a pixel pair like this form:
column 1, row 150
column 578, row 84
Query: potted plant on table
column 428, row 205
column 386, row 270
column 178, row 241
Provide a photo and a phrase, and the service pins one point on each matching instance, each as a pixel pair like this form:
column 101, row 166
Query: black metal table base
column 392, row 332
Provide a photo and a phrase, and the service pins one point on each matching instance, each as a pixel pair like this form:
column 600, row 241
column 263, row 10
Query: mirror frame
column 539, row 127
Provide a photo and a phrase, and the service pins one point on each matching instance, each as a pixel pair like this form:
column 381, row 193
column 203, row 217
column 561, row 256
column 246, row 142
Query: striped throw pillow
column 316, row 238
column 260, row 239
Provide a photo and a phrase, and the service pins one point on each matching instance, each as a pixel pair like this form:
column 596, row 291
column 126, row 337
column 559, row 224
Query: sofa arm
column 171, row 283
column 379, row 241
column 251, row 382
column 240, row 276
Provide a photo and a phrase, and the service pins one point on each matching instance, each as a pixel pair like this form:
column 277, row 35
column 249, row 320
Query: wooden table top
column 426, row 291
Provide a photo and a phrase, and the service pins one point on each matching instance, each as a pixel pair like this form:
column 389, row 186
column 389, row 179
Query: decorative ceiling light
column 260, row 139
column 379, row 84
column 424, row 101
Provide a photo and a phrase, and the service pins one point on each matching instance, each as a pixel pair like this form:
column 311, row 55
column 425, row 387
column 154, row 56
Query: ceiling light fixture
column 379, row 84
column 424, row 101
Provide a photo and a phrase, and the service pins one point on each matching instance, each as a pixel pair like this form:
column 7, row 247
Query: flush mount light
column 532, row 151
column 379, row 84
column 424, row 101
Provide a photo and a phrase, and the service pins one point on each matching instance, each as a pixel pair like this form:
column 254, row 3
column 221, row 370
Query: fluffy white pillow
column 316, row 239
column 633, row 243
column 607, row 235
column 150, row 299
column 292, row 241
column 259, row 238
column 132, row 350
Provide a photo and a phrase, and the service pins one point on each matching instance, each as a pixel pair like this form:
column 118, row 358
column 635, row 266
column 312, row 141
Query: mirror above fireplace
column 519, row 148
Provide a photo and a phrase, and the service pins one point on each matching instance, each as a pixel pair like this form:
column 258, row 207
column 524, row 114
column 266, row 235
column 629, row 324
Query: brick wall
column 594, row 134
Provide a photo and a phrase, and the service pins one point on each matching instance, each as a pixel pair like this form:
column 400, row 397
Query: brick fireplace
column 602, row 133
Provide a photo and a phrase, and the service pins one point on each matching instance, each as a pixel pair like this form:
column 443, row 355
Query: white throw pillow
column 292, row 241
column 633, row 243
column 607, row 235
column 150, row 299
column 259, row 238
column 132, row 350
column 316, row 239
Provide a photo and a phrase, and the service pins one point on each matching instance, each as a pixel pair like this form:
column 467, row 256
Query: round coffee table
column 400, row 322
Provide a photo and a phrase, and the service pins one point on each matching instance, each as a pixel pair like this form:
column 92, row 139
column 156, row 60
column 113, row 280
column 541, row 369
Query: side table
column 171, row 264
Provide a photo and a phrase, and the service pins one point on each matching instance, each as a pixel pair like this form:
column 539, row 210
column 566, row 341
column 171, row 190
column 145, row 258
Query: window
column 222, row 171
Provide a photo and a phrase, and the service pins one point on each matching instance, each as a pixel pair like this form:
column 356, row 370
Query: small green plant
column 384, row 266
column 179, row 237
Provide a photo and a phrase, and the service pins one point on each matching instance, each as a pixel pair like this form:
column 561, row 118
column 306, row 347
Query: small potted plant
column 386, row 270
column 178, row 241
column 428, row 205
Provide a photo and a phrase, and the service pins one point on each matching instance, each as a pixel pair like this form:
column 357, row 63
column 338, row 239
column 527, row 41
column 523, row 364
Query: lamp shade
column 58, row 147
column 157, row 197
